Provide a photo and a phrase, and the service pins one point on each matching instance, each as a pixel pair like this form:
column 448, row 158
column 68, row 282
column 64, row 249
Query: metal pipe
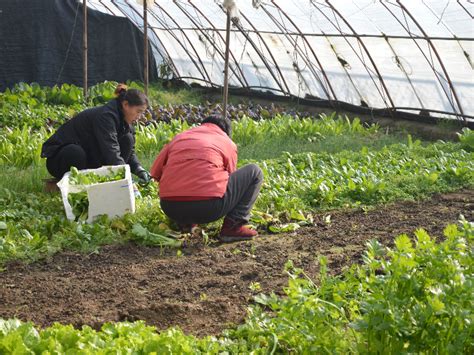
column 226, row 67
column 298, row 50
column 437, row 56
column 269, row 52
column 464, row 8
column 430, row 64
column 242, row 80
column 167, row 55
column 400, row 65
column 357, row 55
column 207, row 37
column 366, row 51
column 436, row 38
column 313, row 52
column 435, row 111
column 416, row 43
column 262, row 57
column 204, row 73
column 145, row 45
column 440, row 19
column 84, row 51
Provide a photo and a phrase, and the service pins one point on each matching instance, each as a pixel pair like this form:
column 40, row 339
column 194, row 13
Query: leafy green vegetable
column 284, row 228
column 295, row 186
column 88, row 178
column 79, row 202
column 467, row 139
column 142, row 234
column 413, row 298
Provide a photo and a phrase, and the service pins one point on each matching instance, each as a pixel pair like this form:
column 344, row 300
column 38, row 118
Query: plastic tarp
column 41, row 41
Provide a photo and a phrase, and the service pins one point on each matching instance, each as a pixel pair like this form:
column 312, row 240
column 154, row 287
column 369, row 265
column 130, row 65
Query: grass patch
column 29, row 179
column 160, row 95
column 333, row 144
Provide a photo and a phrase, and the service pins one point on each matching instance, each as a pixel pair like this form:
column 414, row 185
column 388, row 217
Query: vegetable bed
column 332, row 184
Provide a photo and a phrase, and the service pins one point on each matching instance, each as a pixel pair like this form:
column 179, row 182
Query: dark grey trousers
column 242, row 191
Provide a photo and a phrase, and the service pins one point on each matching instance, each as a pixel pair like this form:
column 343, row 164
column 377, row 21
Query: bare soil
column 206, row 289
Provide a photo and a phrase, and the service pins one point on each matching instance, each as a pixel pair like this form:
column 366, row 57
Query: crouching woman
column 199, row 182
column 102, row 135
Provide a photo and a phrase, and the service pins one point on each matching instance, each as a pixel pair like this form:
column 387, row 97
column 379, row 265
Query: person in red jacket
column 199, row 181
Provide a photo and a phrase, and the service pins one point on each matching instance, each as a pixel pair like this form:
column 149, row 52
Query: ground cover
column 38, row 107
column 312, row 166
column 208, row 289
column 295, row 184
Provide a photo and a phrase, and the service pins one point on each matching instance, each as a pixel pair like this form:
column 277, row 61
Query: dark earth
column 206, row 289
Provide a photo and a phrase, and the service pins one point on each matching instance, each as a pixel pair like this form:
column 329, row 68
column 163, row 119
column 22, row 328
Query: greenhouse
column 236, row 176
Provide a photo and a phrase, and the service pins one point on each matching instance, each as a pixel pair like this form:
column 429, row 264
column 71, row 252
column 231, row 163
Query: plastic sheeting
column 41, row 41
column 405, row 55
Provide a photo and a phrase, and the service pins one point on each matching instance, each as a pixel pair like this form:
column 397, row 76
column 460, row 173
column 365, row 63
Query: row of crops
column 416, row 297
column 295, row 184
column 43, row 106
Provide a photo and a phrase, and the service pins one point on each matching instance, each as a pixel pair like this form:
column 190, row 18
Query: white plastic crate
column 112, row 198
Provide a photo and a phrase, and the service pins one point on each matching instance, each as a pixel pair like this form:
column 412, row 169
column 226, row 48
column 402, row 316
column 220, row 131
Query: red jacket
column 196, row 164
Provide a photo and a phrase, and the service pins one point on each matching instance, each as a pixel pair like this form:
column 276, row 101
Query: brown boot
column 50, row 185
column 233, row 232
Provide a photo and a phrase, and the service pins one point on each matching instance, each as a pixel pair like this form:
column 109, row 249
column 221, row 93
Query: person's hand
column 144, row 178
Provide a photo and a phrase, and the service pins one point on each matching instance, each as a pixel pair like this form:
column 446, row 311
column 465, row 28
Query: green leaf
column 284, row 228
column 297, row 215
column 139, row 230
column 403, row 244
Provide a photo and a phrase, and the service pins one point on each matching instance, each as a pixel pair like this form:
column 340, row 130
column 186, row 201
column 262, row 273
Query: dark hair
column 223, row 123
column 133, row 96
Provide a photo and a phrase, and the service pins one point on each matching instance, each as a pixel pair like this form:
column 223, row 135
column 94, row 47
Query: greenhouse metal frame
column 413, row 56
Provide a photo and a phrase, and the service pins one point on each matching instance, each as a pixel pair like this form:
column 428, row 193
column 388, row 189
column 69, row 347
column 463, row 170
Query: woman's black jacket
column 98, row 131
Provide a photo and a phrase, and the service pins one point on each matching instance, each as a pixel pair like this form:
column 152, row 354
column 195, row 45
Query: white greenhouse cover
column 408, row 54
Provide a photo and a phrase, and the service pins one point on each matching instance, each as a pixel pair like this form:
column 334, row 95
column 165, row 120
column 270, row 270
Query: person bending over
column 199, row 182
column 99, row 136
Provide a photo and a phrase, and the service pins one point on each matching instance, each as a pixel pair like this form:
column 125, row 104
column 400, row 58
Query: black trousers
column 242, row 191
column 74, row 155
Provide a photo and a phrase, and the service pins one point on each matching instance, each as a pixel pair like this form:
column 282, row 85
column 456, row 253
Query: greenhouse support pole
column 145, row 45
column 84, row 50
column 226, row 66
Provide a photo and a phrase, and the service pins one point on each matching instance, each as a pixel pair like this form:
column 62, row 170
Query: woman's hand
column 144, row 178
